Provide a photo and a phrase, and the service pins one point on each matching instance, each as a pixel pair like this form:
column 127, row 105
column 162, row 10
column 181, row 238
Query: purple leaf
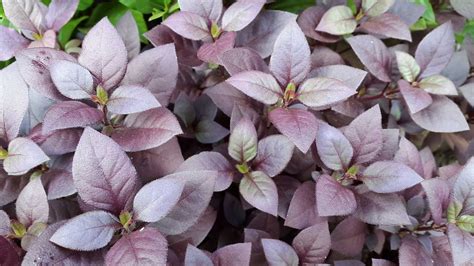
column 309, row 20
column 416, row 99
column 189, row 25
column 313, row 244
column 103, row 174
column 412, row 252
column 57, row 142
column 352, row 77
column 408, row 11
column 389, row 176
column 72, row 80
column 128, row 30
column 211, row 9
column 155, row 69
column 279, row 253
column 11, row 43
column 259, row 85
column 435, row 50
column 260, row 191
column 322, row 92
column 32, row 203
column 302, row 212
column 332, row 198
column 240, row 14
column 273, row 155
column 443, row 116
column 147, row 130
column 381, row 262
column 408, row 154
column 323, row 56
column 262, row 33
column 462, row 245
column 290, row 61
column 300, row 126
column 437, row 193
column 58, row 179
column 104, row 54
column 195, row 256
column 23, row 155
column 197, row 193
column 156, row 199
column 373, row 53
column 5, row 225
column 376, row 8
column 243, row 141
column 59, row 13
column 199, row 231
column 387, row 25
column 338, row 20
column 208, row 131
column 211, row 161
column 233, row 255
column 333, row 147
column 26, row 15
column 86, row 232
column 381, row 209
column 34, row 66
column 463, row 7
column 286, row 188
column 9, row 254
column 458, row 67
column 13, row 102
column 70, row 114
column 146, row 246
column 439, row 85
column 10, row 187
column 130, row 99
column 365, row 135
column 348, row 238
column 463, row 188
column 211, row 52
column 243, row 59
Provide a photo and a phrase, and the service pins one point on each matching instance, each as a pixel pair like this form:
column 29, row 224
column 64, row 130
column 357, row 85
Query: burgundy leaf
column 373, row 54
column 23, row 155
column 259, row 85
column 86, row 232
column 32, row 203
column 273, row 155
column 332, row 198
column 130, row 99
column 71, row 79
column 387, row 25
column 59, row 13
column 286, row 189
column 302, row 212
column 9, row 254
column 279, row 253
column 381, row 209
column 208, row 131
column 260, row 191
column 58, row 142
column 104, row 54
column 416, row 99
column 128, row 30
column 290, row 61
column 199, row 231
column 70, row 114
column 240, row 14
column 333, row 147
column 10, row 187
column 11, row 43
column 210, row 9
column 189, row 25
column 103, row 174
column 348, row 238
column 146, row 246
column 323, row 56
column 243, row 59
column 211, row 52
column 147, row 130
column 313, row 244
column 300, row 126
column 226, row 96
column 233, row 255
column 58, row 179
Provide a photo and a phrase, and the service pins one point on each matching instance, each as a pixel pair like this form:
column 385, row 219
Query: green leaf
column 466, row 223
column 407, row 66
column 67, row 30
column 292, row 5
column 454, row 209
column 352, row 5
column 156, row 14
column 84, row 4
column 143, row 6
column 113, row 10
column 429, row 15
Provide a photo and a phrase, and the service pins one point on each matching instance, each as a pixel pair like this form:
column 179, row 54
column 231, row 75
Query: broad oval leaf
column 9, row 254
column 26, row 15
column 303, row 210
column 407, row 65
column 349, row 236
column 59, row 13
column 189, row 25
column 290, row 61
column 381, row 209
column 147, row 130
column 442, row 116
column 208, row 131
column 243, row 141
column 32, row 203
column 435, row 50
column 412, row 252
column 415, row 98
column 103, row 174
column 155, row 69
column 313, row 244
column 437, row 194
column 243, row 59
column 70, row 114
column 463, row 188
column 323, row 92
column 300, row 126
column 389, row 176
column 373, row 53
column 211, row 52
column 352, row 77
column 374, row 8
column 259, row 85
column 211, row 9
column 156, row 199
column 333, row 147
column 279, row 253
column 233, row 255
column 387, row 25
column 439, row 85
column 338, row 20
column 128, row 30
column 240, row 14
column 463, row 7
column 409, row 155
column 104, row 54
column 332, row 198
column 23, row 155
column 260, row 191
column 11, row 43
column 86, row 232
column 130, row 99
column 195, row 256
column 273, row 154
column 462, row 245
column 145, row 246
column 71, row 79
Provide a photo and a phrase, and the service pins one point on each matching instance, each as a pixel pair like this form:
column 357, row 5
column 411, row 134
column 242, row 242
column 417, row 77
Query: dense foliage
column 236, row 132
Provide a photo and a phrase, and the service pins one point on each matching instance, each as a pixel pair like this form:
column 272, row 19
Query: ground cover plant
column 247, row 132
